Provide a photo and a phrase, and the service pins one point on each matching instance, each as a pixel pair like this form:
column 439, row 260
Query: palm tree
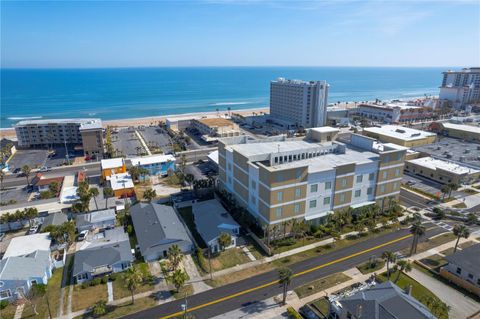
column 178, row 279
column 284, row 278
column 26, row 171
column 445, row 190
column 2, row 176
column 453, row 187
column 417, row 230
column 472, row 219
column 133, row 278
column 149, row 194
column 134, row 172
column 402, row 266
column 189, row 178
column 107, row 193
column 30, row 214
column 389, row 258
column 175, row 256
column 94, row 193
column 224, row 240
column 460, row 231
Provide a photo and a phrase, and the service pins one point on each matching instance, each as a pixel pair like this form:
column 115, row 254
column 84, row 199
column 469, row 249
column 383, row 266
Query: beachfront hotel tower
column 296, row 103
column 281, row 178
column 461, row 87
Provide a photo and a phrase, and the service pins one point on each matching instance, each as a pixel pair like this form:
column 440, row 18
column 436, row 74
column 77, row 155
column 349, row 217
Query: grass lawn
column 68, row 282
column 8, row 312
column 419, row 292
column 448, row 251
column 187, row 216
column 298, row 243
column 321, row 284
column 126, row 308
column 229, row 258
column 366, row 268
column 432, row 243
column 120, row 291
column 180, row 294
column 321, row 305
column 470, row 191
column 466, row 244
column 460, row 205
column 434, row 261
column 86, row 297
column 238, row 275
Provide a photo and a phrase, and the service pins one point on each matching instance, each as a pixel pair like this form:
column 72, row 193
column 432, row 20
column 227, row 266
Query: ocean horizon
column 127, row 93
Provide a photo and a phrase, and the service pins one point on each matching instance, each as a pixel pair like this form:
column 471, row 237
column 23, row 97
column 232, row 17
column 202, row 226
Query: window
column 399, row 156
column 385, row 174
column 297, row 208
column 397, row 172
column 328, row 185
column 298, row 173
column 459, row 270
column 298, row 192
column 344, row 182
column 470, row 276
column 326, row 201
column 342, row 198
column 359, row 178
column 312, row 204
column 313, row 188
column 370, row 191
column 371, row 176
column 279, row 177
column 254, row 185
column 386, row 159
column 279, row 196
column 33, row 282
column 358, row 193
column 278, row 212
column 252, row 198
column 395, row 186
column 5, row 294
column 382, row 188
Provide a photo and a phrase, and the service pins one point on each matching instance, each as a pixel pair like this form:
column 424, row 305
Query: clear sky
column 240, row 33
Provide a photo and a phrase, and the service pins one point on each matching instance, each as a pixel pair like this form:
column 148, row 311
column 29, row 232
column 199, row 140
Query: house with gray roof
column 381, row 301
column 99, row 219
column 211, row 219
column 157, row 228
column 56, row 219
column 108, row 252
column 463, row 268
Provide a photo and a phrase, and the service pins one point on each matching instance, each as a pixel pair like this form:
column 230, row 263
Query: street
column 229, row 297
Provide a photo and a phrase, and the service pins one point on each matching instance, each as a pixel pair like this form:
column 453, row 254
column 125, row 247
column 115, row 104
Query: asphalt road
column 233, row 296
column 410, row 199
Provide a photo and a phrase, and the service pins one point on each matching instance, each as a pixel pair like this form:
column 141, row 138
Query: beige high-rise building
column 45, row 133
column 278, row 179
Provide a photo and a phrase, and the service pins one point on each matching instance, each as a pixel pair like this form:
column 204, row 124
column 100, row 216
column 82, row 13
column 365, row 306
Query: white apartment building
column 461, row 87
column 296, row 103
column 278, row 179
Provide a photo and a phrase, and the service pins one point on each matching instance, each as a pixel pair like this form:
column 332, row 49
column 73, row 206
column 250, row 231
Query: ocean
column 125, row 93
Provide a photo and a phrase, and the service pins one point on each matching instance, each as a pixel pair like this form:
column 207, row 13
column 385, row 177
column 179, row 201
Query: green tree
column 284, row 279
column 460, row 231
column 26, row 170
column 149, row 194
column 107, row 193
column 472, row 219
column 2, row 176
column 175, row 256
column 417, row 230
column 439, row 213
column 178, row 278
column 183, row 163
column 54, row 187
column 389, row 257
column 402, row 266
column 452, row 187
column 133, row 278
column 189, row 178
column 445, row 190
column 224, row 240
column 99, row 308
column 134, row 172
column 30, row 213
column 93, row 192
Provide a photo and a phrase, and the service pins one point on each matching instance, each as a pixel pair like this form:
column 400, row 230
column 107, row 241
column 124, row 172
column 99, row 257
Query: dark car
column 16, row 170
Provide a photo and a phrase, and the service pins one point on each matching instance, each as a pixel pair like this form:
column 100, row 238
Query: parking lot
column 426, row 185
column 32, row 158
column 16, row 196
column 127, row 143
column 155, row 136
column 201, row 170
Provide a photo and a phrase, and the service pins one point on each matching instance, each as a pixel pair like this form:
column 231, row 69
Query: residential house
column 463, row 268
column 112, row 166
column 155, row 164
column 122, row 185
column 211, row 219
column 108, row 252
column 55, row 219
column 26, row 262
column 381, row 301
column 99, row 219
column 157, row 228
column 43, row 184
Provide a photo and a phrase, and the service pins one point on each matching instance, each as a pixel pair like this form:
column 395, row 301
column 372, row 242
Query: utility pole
column 66, row 152
column 210, row 262
column 185, row 306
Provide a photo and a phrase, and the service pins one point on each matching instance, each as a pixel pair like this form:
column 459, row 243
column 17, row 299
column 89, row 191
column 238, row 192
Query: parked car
column 45, row 169
column 2, row 236
column 83, row 235
column 17, row 170
column 34, row 229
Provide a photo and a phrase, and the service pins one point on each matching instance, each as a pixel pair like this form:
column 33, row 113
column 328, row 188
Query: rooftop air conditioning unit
column 462, row 159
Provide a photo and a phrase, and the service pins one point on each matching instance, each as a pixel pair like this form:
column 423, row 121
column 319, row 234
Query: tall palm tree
column 175, row 256
column 107, row 193
column 417, row 230
column 133, row 278
column 460, row 231
column 94, row 193
column 26, row 170
column 402, row 266
column 389, row 258
column 284, row 278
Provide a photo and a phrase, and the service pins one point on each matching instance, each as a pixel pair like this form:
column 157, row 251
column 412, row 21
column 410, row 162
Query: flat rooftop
column 462, row 127
column 399, row 132
column 59, row 121
column 215, row 122
column 121, row 181
column 24, row 245
column 434, row 164
column 154, row 159
column 390, row 105
column 112, row 163
column 93, row 124
column 453, row 149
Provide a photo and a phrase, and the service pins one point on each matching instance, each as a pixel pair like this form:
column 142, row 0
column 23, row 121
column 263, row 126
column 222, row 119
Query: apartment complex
column 400, row 135
column 461, row 87
column 213, row 128
column 295, row 103
column 462, row 131
column 44, row 133
column 397, row 112
column 278, row 178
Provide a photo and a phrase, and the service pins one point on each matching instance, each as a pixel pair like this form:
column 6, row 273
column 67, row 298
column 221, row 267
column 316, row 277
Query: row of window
column 470, row 276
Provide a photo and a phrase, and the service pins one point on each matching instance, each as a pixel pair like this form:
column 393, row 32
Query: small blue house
column 156, row 164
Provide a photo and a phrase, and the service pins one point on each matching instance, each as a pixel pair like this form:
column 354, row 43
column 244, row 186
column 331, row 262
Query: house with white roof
column 122, row 185
column 99, row 219
column 112, row 166
column 155, row 164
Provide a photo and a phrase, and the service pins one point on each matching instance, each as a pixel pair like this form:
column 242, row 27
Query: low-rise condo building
column 400, row 135
column 213, row 128
column 155, row 164
column 113, row 166
column 465, row 132
column 396, row 112
column 296, row 103
column 461, row 87
column 278, row 179
column 44, row 133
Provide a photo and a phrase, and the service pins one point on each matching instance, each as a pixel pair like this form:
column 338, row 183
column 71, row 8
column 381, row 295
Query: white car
column 82, row 235
column 45, row 169
column 33, row 229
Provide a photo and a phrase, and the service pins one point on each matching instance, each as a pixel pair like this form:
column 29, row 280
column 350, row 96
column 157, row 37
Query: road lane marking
column 243, row 292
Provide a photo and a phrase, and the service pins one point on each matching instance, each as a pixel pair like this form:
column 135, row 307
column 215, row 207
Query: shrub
column 285, row 242
column 104, row 280
column 95, row 281
column 113, row 277
column 292, row 313
column 351, row 237
column 84, row 285
column 3, row 304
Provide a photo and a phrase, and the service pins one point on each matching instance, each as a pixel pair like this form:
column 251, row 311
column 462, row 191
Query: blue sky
column 240, row 33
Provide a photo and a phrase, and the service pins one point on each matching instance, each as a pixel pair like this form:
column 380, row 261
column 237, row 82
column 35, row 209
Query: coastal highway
column 93, row 169
column 409, row 199
column 256, row 288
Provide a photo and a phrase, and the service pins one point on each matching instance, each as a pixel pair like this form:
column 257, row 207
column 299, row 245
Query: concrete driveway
column 461, row 306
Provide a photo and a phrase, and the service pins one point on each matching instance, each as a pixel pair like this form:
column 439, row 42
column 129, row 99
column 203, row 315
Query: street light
column 185, row 306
